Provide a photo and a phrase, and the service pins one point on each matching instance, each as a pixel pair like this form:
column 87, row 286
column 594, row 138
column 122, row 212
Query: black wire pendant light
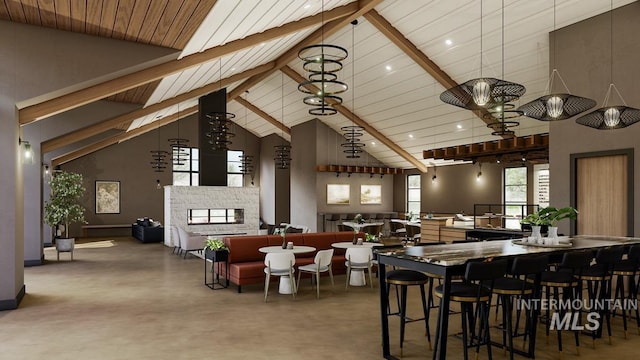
column 246, row 161
column 353, row 147
column 322, row 62
column 158, row 157
column 283, row 151
column 220, row 133
column 484, row 92
column 610, row 117
column 556, row 106
column 179, row 147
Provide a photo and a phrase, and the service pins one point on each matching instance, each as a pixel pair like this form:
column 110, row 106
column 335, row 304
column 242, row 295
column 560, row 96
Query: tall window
column 515, row 193
column 235, row 178
column 413, row 194
column 187, row 173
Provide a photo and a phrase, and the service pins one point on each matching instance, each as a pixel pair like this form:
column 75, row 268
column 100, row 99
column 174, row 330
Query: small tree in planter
column 63, row 206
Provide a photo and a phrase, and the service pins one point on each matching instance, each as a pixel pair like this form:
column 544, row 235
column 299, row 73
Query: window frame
column 409, row 188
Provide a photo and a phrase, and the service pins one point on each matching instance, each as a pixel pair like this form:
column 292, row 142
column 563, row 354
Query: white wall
column 179, row 199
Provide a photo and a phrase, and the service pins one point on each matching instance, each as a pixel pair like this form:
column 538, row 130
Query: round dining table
column 357, row 275
column 285, row 281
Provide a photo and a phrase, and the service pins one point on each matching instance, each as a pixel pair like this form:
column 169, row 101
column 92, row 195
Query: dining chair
column 358, row 259
column 396, row 228
column 321, row 263
column 279, row 264
column 626, row 286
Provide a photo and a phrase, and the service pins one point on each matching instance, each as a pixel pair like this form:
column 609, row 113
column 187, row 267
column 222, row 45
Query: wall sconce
column 435, row 176
column 27, row 152
column 479, row 172
column 498, row 159
column 46, row 173
column 158, row 186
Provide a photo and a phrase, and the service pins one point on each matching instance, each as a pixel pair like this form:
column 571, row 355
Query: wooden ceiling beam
column 105, row 89
column 363, row 6
column 86, row 150
column 360, row 122
column 126, row 119
column 263, row 115
column 420, row 58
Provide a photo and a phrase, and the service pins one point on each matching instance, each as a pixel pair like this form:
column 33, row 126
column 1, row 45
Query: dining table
column 450, row 259
column 285, row 285
column 358, row 226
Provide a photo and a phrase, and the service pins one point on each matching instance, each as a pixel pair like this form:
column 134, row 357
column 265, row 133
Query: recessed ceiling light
column 448, row 42
column 411, row 136
column 233, row 69
column 262, row 44
column 459, row 126
column 307, row 6
column 373, row 143
column 388, row 67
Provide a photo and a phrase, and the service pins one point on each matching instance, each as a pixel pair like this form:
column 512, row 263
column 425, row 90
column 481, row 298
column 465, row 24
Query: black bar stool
column 404, row 278
column 567, row 278
column 599, row 282
column 627, row 269
column 515, row 287
column 476, row 290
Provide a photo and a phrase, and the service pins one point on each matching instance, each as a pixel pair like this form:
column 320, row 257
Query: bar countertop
column 458, row 254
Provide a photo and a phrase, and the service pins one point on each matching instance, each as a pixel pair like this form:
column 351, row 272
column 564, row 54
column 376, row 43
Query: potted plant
column 555, row 215
column 215, row 249
column 537, row 220
column 63, row 206
column 282, row 232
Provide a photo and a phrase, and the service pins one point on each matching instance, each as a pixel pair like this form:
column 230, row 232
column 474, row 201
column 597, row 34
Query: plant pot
column 535, row 233
column 553, row 232
column 216, row 255
column 65, row 244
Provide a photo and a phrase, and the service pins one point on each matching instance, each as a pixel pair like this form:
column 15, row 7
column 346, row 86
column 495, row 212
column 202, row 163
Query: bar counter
column 448, row 260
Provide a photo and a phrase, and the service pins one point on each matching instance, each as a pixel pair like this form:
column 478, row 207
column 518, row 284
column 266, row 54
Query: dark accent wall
column 274, row 184
column 456, row 188
column 213, row 163
column 583, row 58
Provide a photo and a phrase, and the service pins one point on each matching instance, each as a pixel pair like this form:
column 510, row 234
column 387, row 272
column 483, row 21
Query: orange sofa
column 246, row 263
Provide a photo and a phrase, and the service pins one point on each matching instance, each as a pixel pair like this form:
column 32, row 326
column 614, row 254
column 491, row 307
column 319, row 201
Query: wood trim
column 96, row 92
column 126, row 119
column 263, row 115
column 630, row 184
column 358, row 121
column 124, row 136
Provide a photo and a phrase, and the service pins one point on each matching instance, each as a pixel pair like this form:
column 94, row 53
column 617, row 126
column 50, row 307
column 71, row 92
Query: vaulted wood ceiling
column 402, row 55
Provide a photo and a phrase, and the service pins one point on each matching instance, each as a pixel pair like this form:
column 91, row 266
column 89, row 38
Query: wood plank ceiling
column 402, row 55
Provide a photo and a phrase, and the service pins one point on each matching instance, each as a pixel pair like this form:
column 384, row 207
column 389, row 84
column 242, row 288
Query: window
column 186, row 174
column 413, row 194
column 515, row 194
column 215, row 216
column 235, row 178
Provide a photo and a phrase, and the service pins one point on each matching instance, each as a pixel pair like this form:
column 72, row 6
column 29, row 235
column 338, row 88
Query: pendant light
column 353, row 147
column 283, row 151
column 556, row 105
column 179, row 147
column 246, row 161
column 220, row 123
column 483, row 92
column 611, row 115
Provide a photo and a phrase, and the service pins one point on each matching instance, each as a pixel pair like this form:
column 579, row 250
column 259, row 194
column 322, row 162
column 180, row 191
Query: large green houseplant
column 63, row 206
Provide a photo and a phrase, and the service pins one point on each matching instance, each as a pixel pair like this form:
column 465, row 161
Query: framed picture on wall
column 107, row 197
column 338, row 194
column 370, row 194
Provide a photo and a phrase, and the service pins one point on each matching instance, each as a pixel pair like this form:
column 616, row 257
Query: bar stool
column 514, row 286
column 477, row 290
column 627, row 270
column 566, row 277
column 599, row 282
column 404, row 278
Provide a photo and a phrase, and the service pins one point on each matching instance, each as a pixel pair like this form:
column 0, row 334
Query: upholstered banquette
column 246, row 263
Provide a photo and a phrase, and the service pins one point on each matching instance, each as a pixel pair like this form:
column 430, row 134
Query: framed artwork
column 338, row 194
column 370, row 194
column 107, row 197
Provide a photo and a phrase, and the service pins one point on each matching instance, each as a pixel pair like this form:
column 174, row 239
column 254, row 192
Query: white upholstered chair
column 175, row 240
column 190, row 242
column 279, row 264
column 358, row 259
column 321, row 263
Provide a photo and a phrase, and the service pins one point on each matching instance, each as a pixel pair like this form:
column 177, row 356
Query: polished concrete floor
column 120, row 299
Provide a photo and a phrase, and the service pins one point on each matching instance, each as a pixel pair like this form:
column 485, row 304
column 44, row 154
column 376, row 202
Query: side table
column 217, row 259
